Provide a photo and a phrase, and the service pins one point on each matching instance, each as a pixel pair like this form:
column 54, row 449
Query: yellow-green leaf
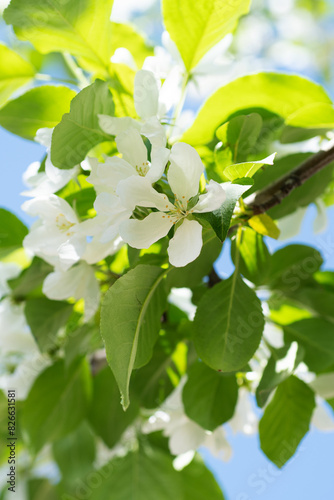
column 247, row 169
column 81, row 27
column 263, row 224
column 14, row 72
column 280, row 94
column 196, row 27
column 125, row 36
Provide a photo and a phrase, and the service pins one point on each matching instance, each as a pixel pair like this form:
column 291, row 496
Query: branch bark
column 280, row 189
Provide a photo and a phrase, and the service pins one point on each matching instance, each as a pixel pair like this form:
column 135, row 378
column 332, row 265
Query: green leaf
column 125, row 36
column 81, row 341
column 315, row 298
column 82, row 28
column 130, row 322
column 14, row 72
column 316, row 336
column 196, row 29
column 240, row 135
column 319, row 115
column 79, row 131
column 121, row 85
column 45, row 317
column 106, row 415
column 41, row 488
column 193, row 274
column 280, row 366
column 220, row 219
column 228, row 325
column 286, row 420
column 254, row 256
column 281, row 94
column 12, row 232
column 199, row 483
column 140, row 475
column 57, row 403
column 39, row 107
column 209, row 397
column 247, row 169
column 75, row 454
column 156, row 380
column 292, row 266
column 31, row 278
column 263, row 224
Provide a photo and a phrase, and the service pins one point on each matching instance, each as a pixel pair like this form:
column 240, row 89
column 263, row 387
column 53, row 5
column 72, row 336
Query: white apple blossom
column 244, row 420
column 184, row 434
column 77, row 282
column 8, row 270
column 183, row 176
column 53, row 178
column 20, row 359
column 57, row 236
column 104, row 227
column 152, row 103
column 134, row 162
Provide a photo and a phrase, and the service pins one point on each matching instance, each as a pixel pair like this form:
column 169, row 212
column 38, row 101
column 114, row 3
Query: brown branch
column 272, row 195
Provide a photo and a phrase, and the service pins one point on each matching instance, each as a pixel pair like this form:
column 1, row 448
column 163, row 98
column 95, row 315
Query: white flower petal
column 58, row 175
column 321, row 418
column 320, row 223
column 159, row 159
column 171, row 91
column 109, row 174
column 132, row 147
column 186, row 244
column 244, row 419
column 323, row 385
column 124, row 56
column 137, row 191
column 217, row 443
column 146, row 94
column 212, row 200
column 49, row 207
column 70, row 252
column 186, row 437
column 155, row 132
column 290, row 225
column 7, row 271
column 185, row 170
column 143, row 233
column 115, row 126
column 78, row 282
column 43, row 136
column 44, row 239
column 96, row 251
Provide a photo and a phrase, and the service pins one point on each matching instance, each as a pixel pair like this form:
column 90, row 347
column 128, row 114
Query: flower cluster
column 145, row 192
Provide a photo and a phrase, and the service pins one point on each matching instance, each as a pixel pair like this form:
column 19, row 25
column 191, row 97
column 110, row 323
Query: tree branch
column 272, row 195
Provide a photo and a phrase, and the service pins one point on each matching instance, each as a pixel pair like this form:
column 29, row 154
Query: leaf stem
column 237, row 255
column 180, row 104
column 76, row 71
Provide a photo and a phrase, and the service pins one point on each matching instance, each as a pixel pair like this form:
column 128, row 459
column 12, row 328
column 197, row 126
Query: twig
column 272, row 195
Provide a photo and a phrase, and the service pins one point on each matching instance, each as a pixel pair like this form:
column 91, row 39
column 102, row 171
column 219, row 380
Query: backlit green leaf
column 286, row 420
column 228, row 325
column 130, row 322
column 79, row 131
column 39, row 107
column 196, row 28
column 14, row 72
